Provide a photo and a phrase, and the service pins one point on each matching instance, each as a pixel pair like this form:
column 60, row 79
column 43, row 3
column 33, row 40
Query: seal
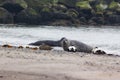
column 76, row 46
column 48, row 42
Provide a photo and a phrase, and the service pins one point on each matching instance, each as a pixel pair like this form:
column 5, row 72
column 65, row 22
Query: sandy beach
column 26, row 64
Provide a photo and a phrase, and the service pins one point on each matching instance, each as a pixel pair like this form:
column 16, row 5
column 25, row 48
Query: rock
column 45, row 47
column 54, row 16
column 46, row 9
column 93, row 3
column 68, row 12
column 5, row 16
column 83, row 19
column 83, row 4
column 34, row 48
column 87, row 13
column 7, row 46
column 101, row 7
column 59, row 8
column 14, row 6
column 65, row 23
column 68, row 3
column 38, row 4
column 117, row 12
column 61, row 22
column 20, row 47
column 108, row 1
column 1, row 1
column 22, row 3
column 117, row 1
column 114, row 19
column 91, row 22
column 98, row 20
column 72, row 13
column 114, row 5
column 28, row 16
column 76, row 3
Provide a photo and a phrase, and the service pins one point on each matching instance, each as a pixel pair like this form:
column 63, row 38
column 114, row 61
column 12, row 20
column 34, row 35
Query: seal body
column 48, row 42
column 80, row 47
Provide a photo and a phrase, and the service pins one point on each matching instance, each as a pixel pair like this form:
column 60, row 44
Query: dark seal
column 48, row 42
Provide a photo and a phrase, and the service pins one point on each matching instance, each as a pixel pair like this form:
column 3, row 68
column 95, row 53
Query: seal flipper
column 72, row 49
column 98, row 51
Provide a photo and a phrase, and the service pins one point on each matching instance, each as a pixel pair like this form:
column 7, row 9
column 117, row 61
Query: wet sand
column 26, row 64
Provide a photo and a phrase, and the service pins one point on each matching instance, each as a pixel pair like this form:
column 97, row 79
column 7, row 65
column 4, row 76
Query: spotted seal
column 76, row 46
column 79, row 46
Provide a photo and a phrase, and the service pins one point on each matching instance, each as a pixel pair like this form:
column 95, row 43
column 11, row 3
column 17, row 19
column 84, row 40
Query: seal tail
column 96, row 50
column 31, row 44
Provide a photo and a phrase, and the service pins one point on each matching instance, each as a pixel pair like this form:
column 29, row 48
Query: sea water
column 107, row 38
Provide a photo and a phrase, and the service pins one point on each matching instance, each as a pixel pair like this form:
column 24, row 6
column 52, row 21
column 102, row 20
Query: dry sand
column 26, row 64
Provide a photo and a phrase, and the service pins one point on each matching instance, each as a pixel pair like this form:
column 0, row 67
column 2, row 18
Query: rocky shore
column 60, row 12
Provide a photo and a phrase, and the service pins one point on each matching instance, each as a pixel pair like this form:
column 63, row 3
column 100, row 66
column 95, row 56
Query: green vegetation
column 71, row 11
column 32, row 11
column 45, row 9
column 101, row 7
column 22, row 3
column 70, row 3
column 83, row 4
column 114, row 5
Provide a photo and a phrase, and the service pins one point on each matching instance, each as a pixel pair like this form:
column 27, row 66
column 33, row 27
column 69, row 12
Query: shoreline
column 30, row 64
column 73, row 26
